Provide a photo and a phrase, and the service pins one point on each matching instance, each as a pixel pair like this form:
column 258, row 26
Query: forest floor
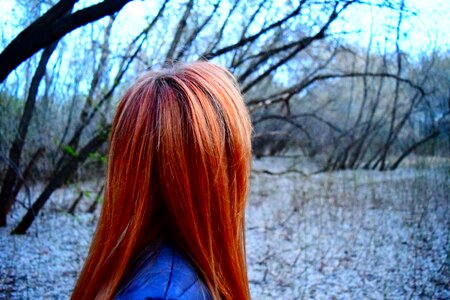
column 338, row 235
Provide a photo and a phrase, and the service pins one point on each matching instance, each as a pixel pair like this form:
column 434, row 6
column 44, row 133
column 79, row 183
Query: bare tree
column 49, row 28
column 70, row 160
column 6, row 194
column 304, row 108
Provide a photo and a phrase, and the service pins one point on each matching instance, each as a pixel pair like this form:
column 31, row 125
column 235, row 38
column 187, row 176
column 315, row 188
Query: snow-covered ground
column 340, row 235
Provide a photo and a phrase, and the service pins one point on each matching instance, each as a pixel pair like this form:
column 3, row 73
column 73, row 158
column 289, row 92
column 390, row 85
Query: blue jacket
column 165, row 274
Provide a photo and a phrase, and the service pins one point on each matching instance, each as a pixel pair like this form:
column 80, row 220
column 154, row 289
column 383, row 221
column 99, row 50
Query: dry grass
column 350, row 235
column 341, row 235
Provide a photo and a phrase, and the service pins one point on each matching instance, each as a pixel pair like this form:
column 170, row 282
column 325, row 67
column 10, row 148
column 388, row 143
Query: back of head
column 178, row 168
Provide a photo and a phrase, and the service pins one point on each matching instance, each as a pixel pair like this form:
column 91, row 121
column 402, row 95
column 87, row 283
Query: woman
column 172, row 222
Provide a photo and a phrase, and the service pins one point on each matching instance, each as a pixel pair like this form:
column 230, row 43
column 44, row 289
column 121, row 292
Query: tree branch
column 251, row 38
column 50, row 28
column 282, row 96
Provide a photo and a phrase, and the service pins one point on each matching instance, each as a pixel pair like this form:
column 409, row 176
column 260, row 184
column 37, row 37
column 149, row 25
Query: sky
column 434, row 18
column 427, row 24
column 425, row 27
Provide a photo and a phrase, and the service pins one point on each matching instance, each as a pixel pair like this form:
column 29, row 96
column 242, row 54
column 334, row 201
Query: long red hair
column 178, row 168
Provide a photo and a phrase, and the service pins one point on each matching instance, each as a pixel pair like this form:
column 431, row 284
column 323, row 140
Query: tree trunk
column 75, row 203
column 413, row 147
column 58, row 180
column 26, row 173
column 94, row 203
column 15, row 152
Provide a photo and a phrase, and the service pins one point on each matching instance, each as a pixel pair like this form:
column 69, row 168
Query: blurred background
column 350, row 103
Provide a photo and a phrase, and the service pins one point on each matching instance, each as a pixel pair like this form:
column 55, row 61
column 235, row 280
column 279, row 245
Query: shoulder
column 165, row 275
